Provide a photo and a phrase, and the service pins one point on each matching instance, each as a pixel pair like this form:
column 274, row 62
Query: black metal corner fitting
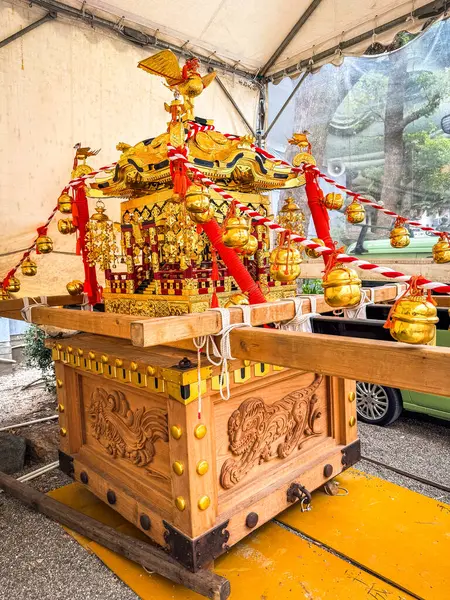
column 66, row 464
column 351, row 454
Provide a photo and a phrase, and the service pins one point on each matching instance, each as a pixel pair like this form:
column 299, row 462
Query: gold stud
column 59, row 346
column 246, row 363
column 176, row 432
column 59, row 383
column 119, row 362
column 91, row 355
column 351, row 396
column 69, row 349
column 352, row 421
column 202, row 467
column 200, row 431
column 133, row 366
column 61, row 408
column 80, row 352
column 178, row 467
column 104, row 358
column 180, row 503
column 204, row 502
column 151, row 370
column 63, row 432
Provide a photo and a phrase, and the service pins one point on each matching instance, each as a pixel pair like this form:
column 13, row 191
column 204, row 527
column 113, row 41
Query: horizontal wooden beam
column 419, row 368
column 167, row 330
column 16, row 304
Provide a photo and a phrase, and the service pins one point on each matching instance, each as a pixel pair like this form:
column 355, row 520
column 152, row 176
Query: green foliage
column 37, row 355
column 312, row 286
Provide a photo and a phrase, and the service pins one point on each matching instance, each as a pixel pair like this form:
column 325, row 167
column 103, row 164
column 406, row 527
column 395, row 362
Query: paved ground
column 39, row 561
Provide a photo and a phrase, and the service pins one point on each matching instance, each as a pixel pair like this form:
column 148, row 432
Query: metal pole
column 291, row 95
column 48, row 17
column 231, row 99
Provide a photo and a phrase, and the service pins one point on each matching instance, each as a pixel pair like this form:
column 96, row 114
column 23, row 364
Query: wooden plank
column 418, row 368
column 167, row 330
column 16, row 304
column 203, row 582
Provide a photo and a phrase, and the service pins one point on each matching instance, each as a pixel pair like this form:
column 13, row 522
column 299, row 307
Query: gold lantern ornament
column 441, row 250
column 66, row 226
column 355, row 212
column 333, row 201
column 291, row 217
column 65, row 203
column 203, row 217
column 237, row 300
column 310, row 252
column 413, row 317
column 285, row 260
column 44, row 244
column 101, row 239
column 250, row 247
column 341, row 286
column 197, row 199
column 13, row 285
column 237, row 232
column 399, row 235
column 75, row 287
column 29, row 267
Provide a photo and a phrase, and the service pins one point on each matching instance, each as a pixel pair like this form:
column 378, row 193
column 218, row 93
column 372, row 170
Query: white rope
column 300, row 322
column 401, row 287
column 359, row 311
column 223, row 352
column 27, row 307
column 85, row 305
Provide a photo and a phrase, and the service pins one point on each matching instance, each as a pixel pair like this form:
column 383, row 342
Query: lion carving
column 254, row 429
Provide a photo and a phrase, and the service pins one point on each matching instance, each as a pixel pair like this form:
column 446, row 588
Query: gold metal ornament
column 13, row 285
column 203, row 217
column 413, row 319
column 441, row 250
column 197, row 199
column 65, row 203
column 285, row 262
column 101, row 239
column 399, row 235
column 204, row 502
column 342, row 287
column 44, row 244
column 291, row 217
column 310, row 252
column 75, row 287
column 250, row 247
column 4, row 294
column 237, row 300
column 66, row 226
column 237, row 232
column 180, row 503
column 333, row 201
column 29, row 267
column 355, row 212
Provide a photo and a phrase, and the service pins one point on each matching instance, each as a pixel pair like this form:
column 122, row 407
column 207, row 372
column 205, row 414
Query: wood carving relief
column 125, row 433
column 255, row 427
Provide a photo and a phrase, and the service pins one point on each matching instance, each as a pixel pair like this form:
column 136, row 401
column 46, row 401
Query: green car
column 381, row 405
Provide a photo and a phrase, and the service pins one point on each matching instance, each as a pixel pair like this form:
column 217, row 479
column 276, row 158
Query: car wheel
column 377, row 404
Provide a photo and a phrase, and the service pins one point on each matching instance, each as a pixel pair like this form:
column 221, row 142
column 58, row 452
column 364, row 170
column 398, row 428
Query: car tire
column 377, row 404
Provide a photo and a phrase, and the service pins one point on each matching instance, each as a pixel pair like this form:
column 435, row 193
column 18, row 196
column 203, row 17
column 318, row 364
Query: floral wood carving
column 125, row 433
column 255, row 427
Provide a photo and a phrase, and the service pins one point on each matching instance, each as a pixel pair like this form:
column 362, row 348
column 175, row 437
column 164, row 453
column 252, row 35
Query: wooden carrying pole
column 203, row 582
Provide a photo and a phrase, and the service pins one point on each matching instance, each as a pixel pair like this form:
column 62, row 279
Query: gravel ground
column 38, row 560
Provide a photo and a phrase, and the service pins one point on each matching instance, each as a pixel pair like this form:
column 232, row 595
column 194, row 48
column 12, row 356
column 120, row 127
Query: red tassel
column 214, row 300
column 178, row 171
column 215, row 268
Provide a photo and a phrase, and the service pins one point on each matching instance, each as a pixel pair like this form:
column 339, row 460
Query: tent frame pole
column 282, row 109
column 48, row 17
column 233, row 102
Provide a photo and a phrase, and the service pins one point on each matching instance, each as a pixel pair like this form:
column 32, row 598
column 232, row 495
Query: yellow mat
column 276, row 564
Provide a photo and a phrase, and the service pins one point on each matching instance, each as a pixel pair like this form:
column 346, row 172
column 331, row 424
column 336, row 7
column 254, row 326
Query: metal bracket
column 48, row 17
column 297, row 491
column 195, row 553
column 351, row 454
column 66, row 464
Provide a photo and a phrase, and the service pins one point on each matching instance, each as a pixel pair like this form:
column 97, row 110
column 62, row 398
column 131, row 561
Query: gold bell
column 342, row 287
column 399, row 237
column 66, row 226
column 29, row 267
column 4, row 294
column 237, row 232
column 44, row 244
column 237, row 300
column 413, row 319
column 355, row 212
column 203, row 217
column 441, row 250
column 285, row 263
column 197, row 199
column 250, row 247
column 333, row 201
column 13, row 285
column 75, row 287
column 310, row 252
column 65, row 203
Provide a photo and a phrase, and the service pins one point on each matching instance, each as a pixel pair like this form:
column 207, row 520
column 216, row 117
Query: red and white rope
column 307, row 243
